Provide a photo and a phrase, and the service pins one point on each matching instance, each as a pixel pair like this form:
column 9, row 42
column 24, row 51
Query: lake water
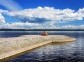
column 68, row 52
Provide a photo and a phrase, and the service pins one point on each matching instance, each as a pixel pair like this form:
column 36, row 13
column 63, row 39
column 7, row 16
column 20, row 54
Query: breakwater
column 15, row 45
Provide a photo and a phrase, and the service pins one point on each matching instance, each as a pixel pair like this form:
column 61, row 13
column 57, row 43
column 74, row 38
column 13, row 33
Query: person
column 44, row 33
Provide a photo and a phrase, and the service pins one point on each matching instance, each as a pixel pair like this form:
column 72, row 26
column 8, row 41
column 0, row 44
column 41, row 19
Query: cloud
column 2, row 19
column 49, row 14
column 3, row 11
column 72, row 27
column 43, row 17
column 10, row 4
column 21, row 25
column 81, row 12
column 18, row 25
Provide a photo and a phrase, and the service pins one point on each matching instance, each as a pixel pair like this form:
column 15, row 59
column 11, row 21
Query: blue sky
column 60, row 4
column 11, row 13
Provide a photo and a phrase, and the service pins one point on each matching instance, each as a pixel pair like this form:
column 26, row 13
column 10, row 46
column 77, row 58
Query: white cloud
column 81, row 12
column 50, row 13
column 3, row 11
column 18, row 25
column 21, row 25
column 72, row 27
column 2, row 19
column 10, row 4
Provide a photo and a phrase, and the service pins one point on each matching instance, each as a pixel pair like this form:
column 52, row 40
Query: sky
column 46, row 14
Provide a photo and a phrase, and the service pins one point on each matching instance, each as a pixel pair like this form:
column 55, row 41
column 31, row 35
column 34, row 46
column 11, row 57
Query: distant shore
column 41, row 29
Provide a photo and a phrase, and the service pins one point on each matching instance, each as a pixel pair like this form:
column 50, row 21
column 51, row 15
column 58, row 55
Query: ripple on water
column 69, row 52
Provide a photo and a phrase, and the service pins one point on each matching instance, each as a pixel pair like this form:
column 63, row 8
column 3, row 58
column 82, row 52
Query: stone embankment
column 15, row 45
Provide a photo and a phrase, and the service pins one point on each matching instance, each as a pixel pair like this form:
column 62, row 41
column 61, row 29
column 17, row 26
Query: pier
column 15, row 45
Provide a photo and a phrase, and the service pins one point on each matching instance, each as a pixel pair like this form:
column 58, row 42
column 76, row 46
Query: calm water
column 69, row 52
